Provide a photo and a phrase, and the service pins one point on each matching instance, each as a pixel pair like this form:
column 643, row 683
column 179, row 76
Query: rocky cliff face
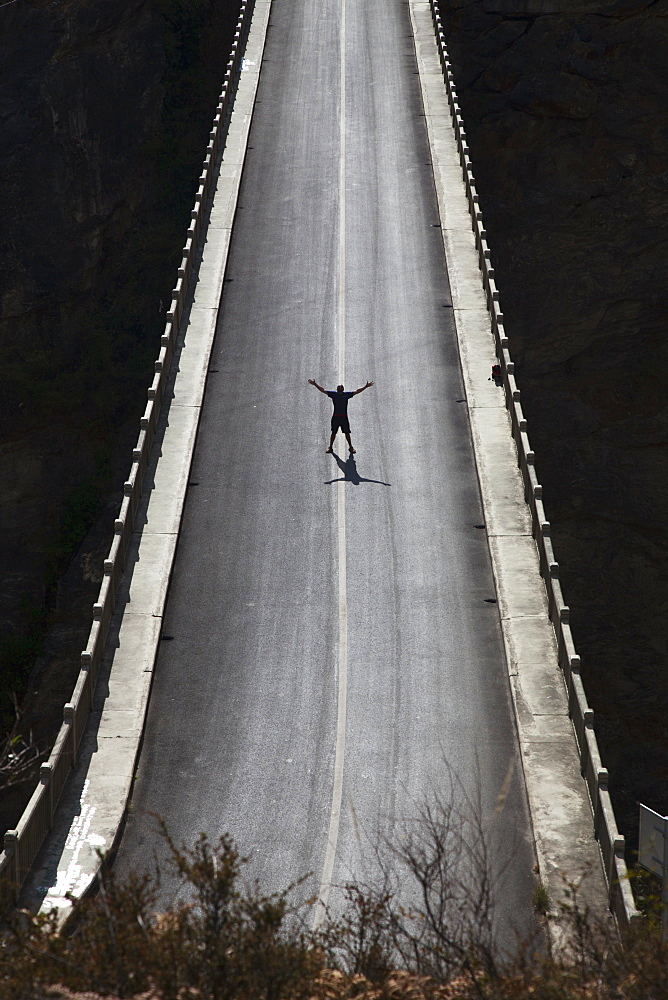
column 565, row 104
column 105, row 108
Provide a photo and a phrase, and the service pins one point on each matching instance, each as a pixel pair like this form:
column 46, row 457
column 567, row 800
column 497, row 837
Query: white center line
column 337, row 790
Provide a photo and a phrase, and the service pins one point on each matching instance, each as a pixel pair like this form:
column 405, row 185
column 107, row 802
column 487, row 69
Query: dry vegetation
column 230, row 941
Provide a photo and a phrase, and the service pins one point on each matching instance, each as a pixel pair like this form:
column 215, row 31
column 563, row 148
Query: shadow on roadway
column 350, row 473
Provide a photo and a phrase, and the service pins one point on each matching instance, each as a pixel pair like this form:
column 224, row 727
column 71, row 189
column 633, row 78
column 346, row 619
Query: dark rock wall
column 565, row 105
column 80, row 95
column 105, row 109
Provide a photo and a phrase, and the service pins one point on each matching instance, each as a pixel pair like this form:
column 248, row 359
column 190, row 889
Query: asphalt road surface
column 335, row 649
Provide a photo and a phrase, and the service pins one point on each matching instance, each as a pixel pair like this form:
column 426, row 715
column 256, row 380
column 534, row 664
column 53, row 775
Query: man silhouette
column 339, row 398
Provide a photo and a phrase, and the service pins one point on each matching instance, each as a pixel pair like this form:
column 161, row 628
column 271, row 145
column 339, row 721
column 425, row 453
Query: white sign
column 653, row 852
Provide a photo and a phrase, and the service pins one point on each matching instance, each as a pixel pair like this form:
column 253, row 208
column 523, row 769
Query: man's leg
column 331, row 442
column 350, row 444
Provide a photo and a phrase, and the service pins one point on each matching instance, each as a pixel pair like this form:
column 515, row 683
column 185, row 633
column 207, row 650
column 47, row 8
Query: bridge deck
column 297, row 571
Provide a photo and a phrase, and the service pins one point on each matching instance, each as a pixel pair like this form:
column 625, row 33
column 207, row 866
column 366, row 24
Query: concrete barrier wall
column 596, row 776
column 22, row 845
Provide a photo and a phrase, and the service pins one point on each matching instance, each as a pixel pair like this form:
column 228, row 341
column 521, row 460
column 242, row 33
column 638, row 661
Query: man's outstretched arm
column 362, row 388
column 312, row 381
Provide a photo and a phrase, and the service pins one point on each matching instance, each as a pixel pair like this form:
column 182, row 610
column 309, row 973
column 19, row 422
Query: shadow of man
column 350, row 473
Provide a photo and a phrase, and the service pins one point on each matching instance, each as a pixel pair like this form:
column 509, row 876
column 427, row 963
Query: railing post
column 45, row 769
column 70, row 720
column 11, row 846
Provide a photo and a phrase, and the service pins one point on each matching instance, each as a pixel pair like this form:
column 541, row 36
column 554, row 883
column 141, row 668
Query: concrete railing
column 596, row 776
column 22, row 845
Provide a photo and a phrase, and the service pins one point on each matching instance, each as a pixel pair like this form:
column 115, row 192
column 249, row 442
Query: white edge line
column 342, row 698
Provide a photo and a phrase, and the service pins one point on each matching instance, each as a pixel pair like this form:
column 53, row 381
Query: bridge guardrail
column 611, row 842
column 22, row 845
